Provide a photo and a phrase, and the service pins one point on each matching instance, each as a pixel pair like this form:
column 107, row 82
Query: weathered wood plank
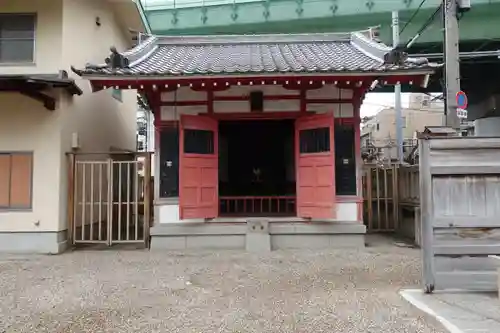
column 469, row 280
column 456, row 158
column 455, row 250
column 426, row 207
column 465, row 169
column 467, row 201
column 461, row 212
column 466, row 236
column 465, row 221
column 447, row 264
column 464, row 143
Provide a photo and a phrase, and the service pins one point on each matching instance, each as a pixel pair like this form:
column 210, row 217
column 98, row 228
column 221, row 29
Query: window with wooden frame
column 16, row 180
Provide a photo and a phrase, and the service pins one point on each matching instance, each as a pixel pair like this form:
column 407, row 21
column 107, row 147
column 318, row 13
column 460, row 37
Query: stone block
column 257, row 237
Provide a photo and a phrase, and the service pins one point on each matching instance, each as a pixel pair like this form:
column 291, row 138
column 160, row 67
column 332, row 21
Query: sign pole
column 452, row 62
column 397, row 92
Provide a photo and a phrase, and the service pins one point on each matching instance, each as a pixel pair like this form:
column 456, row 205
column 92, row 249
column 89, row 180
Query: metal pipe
column 477, row 54
column 397, row 91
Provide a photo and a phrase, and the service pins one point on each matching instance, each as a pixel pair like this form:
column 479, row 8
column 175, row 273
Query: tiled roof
column 253, row 54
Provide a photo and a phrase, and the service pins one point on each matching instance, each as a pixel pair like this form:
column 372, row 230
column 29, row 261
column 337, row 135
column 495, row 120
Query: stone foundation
column 241, row 236
column 41, row 242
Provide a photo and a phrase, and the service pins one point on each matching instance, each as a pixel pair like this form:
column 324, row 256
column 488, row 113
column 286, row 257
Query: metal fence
column 109, row 198
column 460, row 206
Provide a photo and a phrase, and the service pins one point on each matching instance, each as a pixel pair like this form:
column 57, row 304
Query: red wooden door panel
column 315, row 166
column 198, row 172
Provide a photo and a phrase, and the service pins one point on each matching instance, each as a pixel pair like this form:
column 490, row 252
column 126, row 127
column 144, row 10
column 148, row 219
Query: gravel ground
column 285, row 291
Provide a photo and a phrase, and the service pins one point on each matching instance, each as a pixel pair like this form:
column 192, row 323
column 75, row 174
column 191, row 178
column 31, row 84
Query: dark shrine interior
column 256, row 158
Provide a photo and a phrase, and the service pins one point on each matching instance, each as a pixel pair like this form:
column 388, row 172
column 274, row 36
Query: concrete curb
column 407, row 295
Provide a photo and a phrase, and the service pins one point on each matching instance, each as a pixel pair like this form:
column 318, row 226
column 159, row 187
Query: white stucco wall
column 25, row 125
column 66, row 35
column 48, row 36
column 99, row 120
column 341, row 110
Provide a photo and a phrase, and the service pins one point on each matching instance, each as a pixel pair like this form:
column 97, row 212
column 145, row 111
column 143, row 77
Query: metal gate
column 109, row 198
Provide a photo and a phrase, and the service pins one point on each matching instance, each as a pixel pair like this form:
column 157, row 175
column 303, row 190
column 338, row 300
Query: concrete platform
column 459, row 312
column 237, row 235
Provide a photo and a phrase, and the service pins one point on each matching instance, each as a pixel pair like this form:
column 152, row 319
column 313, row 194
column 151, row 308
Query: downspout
column 142, row 12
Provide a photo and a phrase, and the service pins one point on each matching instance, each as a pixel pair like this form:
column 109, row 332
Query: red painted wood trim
column 328, row 100
column 293, row 81
column 184, row 103
column 268, row 97
column 221, row 87
column 257, row 197
column 252, row 116
column 303, row 101
column 345, row 121
column 210, row 102
column 246, row 97
column 154, row 99
column 256, row 115
column 304, row 84
column 357, row 99
column 167, row 123
column 170, row 88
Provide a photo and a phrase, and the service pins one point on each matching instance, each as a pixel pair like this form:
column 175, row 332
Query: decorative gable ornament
column 116, row 60
column 396, row 57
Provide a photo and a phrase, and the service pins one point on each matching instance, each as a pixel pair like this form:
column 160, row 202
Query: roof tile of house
column 254, row 54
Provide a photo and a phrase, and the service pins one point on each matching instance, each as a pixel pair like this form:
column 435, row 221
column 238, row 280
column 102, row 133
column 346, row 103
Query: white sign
column 461, row 113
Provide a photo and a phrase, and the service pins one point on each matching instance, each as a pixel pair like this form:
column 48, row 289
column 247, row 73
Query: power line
column 413, row 16
column 423, row 28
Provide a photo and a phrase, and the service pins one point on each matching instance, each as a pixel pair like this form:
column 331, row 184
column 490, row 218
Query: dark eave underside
column 37, row 86
column 38, row 82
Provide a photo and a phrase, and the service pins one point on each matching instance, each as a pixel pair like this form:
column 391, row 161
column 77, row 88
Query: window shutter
column 20, row 180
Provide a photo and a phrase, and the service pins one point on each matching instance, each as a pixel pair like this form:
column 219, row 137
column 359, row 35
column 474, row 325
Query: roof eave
column 104, row 77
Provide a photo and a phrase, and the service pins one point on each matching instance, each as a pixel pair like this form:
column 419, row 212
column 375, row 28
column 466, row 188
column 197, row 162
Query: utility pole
column 397, row 91
column 451, row 62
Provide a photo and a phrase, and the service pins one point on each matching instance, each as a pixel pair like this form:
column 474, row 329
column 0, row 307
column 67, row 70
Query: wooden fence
column 391, row 198
column 460, row 205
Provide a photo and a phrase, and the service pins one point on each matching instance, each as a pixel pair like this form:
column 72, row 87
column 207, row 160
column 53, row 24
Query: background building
column 378, row 133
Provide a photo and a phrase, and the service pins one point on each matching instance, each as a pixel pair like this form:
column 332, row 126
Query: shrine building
column 257, row 136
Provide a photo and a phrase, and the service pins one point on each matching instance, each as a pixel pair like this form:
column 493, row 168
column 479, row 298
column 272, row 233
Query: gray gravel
column 285, row 291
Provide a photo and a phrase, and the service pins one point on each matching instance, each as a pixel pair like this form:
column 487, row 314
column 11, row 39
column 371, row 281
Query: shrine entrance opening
column 257, row 168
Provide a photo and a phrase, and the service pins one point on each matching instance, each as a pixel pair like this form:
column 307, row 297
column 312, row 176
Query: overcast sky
column 374, row 102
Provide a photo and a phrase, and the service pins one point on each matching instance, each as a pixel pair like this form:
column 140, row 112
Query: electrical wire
column 412, row 16
column 423, row 28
